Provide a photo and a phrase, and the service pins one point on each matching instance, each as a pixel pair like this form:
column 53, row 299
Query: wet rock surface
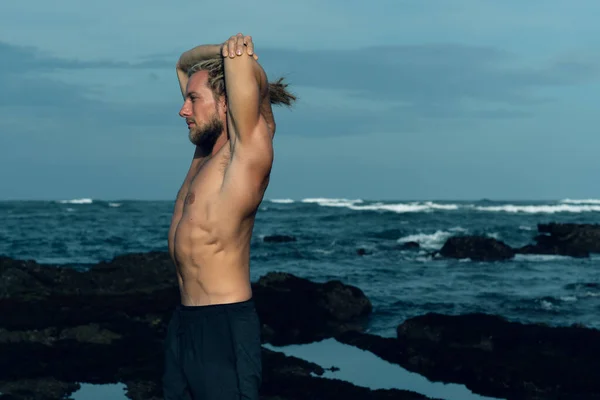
column 477, row 248
column 295, row 310
column 494, row 357
column 409, row 246
column 61, row 326
column 573, row 240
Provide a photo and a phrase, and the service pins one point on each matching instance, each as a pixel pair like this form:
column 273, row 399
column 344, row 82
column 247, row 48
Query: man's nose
column 184, row 112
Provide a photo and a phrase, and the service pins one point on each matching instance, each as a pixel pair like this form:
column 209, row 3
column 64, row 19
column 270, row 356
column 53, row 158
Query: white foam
column 365, row 369
column 332, row 202
column 282, row 201
column 539, row 257
column 581, row 201
column 77, row 201
column 379, row 206
column 525, row 228
column 540, row 209
column 546, row 305
column 323, row 251
column 407, row 207
column 431, row 240
column 568, row 298
column 114, row 204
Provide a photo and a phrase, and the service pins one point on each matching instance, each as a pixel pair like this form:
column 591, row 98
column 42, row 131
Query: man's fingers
column 224, row 49
column 232, row 45
column 240, row 44
column 249, row 44
column 236, row 45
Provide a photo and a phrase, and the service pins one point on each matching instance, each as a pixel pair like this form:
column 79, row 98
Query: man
column 212, row 349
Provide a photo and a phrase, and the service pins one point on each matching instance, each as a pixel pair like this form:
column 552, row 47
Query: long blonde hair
column 278, row 93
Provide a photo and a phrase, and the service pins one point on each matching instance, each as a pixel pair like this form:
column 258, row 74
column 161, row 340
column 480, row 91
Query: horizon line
column 348, row 198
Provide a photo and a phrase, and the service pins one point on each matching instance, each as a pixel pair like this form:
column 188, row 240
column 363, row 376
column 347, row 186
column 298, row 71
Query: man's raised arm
column 198, row 54
column 247, row 90
column 193, row 57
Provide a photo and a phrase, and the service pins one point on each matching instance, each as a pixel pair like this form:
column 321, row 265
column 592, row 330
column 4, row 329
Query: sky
column 398, row 100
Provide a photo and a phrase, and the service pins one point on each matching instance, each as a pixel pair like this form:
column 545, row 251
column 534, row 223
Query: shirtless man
column 212, row 348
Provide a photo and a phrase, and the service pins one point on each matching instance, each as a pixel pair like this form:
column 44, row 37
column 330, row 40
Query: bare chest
column 204, row 183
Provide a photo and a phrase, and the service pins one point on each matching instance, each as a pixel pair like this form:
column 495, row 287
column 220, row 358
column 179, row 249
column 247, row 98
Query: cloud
column 30, row 91
column 18, row 59
column 438, row 81
column 399, row 88
column 428, row 74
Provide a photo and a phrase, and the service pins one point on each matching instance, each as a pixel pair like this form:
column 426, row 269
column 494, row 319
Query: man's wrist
column 197, row 54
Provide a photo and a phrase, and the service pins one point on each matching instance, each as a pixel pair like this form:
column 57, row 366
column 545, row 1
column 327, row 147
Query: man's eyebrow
column 190, row 94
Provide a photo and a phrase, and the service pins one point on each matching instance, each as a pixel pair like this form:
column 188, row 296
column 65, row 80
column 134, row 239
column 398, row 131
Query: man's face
column 204, row 116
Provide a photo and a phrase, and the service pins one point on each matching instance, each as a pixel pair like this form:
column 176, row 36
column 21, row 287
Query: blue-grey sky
column 422, row 99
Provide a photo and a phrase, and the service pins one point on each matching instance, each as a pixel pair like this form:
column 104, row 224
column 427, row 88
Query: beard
column 205, row 136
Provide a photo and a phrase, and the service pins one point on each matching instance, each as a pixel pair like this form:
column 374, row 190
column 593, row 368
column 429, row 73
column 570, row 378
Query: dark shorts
column 213, row 352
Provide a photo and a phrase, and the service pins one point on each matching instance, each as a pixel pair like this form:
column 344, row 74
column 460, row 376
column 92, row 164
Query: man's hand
column 236, row 45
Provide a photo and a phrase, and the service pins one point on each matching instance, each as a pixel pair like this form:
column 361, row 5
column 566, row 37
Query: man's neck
column 221, row 141
column 206, row 151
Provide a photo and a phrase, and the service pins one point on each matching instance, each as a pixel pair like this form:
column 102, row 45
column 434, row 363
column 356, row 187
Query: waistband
column 215, row 308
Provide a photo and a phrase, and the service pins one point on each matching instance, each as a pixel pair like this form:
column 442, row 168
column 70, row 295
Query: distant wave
column 564, row 206
column 333, row 202
column 581, row 201
column 540, row 209
column 358, row 204
column 282, row 201
column 77, row 201
column 114, row 204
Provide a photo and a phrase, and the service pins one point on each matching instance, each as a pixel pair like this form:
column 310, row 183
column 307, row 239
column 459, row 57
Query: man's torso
column 209, row 239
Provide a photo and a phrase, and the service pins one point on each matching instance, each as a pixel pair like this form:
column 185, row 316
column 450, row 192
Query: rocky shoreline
column 571, row 240
column 60, row 326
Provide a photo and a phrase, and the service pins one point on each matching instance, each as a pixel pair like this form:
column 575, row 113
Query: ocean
column 400, row 282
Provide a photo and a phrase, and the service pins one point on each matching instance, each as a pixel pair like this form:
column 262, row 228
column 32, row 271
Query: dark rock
column 582, row 286
column 296, row 310
column 494, row 357
column 127, row 273
column 573, row 240
column 543, row 247
column 409, row 246
column 361, row 252
column 37, row 389
column 279, row 239
column 60, row 326
column 477, row 248
column 587, row 235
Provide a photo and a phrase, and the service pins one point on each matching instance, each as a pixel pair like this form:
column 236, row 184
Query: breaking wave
column 431, row 240
column 77, row 201
column 540, row 209
column 359, row 205
column 581, row 201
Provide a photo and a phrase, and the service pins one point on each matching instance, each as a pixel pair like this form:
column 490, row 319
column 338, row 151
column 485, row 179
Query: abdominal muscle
column 212, row 259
